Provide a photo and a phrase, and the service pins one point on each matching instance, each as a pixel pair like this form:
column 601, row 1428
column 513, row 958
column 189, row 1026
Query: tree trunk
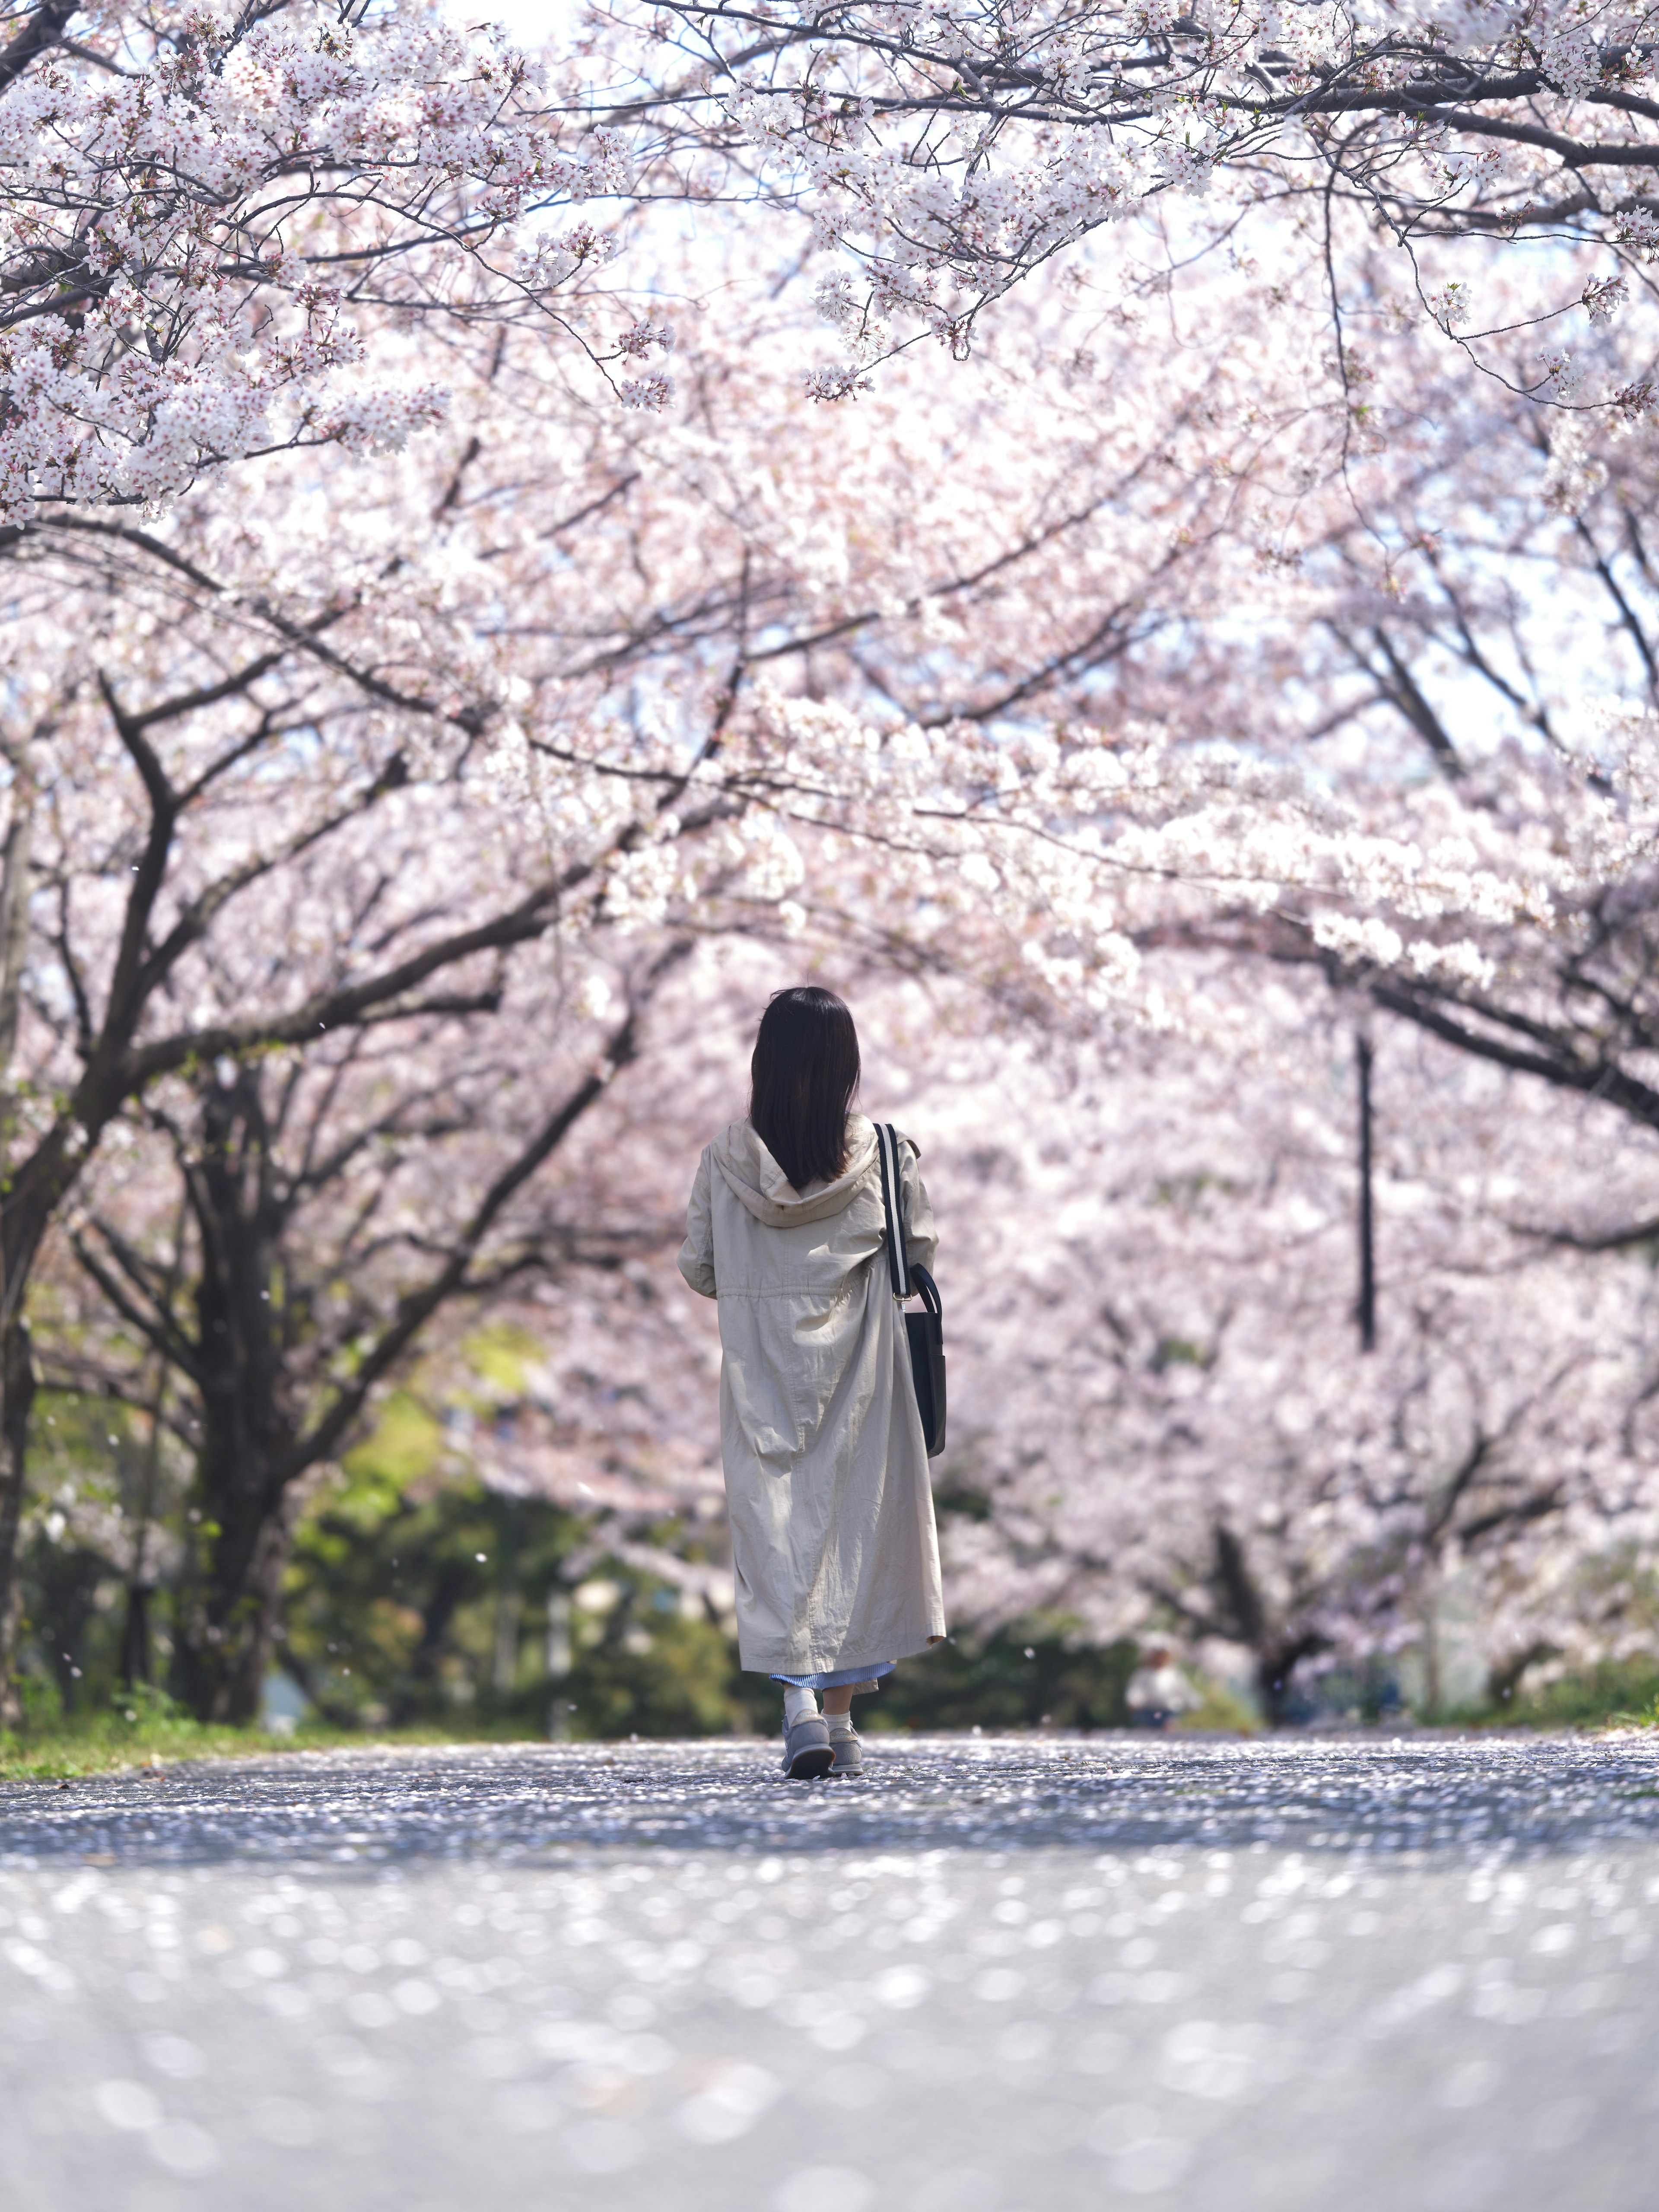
column 1273, row 1674
column 449, row 1590
column 17, row 1382
column 252, row 1321
column 134, row 1636
column 229, row 1620
column 1433, row 1688
column 1503, row 1679
column 16, row 1367
column 509, row 1601
column 1278, row 1648
column 135, row 1669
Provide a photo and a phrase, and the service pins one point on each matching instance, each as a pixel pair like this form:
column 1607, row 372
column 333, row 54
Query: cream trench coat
column 833, row 1541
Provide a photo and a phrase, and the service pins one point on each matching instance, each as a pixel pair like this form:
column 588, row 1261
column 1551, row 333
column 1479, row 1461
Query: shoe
column 849, row 1753
column 806, row 1749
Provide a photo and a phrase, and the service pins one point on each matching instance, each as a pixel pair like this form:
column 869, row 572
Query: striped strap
column 892, row 1199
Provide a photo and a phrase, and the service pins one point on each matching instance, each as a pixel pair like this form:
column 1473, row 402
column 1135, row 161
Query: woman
column 833, row 1541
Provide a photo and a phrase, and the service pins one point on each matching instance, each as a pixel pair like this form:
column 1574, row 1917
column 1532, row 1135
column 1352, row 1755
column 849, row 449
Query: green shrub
column 1588, row 1697
column 1029, row 1674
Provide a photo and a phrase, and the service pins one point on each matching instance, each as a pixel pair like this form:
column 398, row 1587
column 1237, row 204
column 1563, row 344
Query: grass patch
column 150, row 1730
column 105, row 1743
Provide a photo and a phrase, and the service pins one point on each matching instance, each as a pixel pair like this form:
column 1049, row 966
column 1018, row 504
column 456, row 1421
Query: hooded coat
column 833, row 1541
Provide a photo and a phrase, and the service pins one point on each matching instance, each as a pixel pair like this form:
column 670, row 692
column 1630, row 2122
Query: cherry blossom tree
column 316, row 787
column 1477, row 666
column 217, row 218
column 1193, row 1439
column 289, row 1331
column 279, row 779
column 954, row 150
column 224, row 223
column 1163, row 1422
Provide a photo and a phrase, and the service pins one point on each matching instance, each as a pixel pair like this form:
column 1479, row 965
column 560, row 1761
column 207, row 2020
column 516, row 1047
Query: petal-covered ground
column 995, row 1976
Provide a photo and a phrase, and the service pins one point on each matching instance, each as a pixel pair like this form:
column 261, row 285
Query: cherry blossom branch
column 417, row 1307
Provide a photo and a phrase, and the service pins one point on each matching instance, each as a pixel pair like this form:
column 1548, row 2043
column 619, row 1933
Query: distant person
column 1159, row 1691
column 833, row 1541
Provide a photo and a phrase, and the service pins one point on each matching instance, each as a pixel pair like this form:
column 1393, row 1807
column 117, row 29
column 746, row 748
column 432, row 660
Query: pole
column 1366, row 1311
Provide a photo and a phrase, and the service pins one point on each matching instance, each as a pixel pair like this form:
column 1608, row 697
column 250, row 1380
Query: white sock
column 840, row 1723
column 799, row 1706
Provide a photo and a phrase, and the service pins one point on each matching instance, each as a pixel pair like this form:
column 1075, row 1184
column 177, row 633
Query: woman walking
column 833, row 1541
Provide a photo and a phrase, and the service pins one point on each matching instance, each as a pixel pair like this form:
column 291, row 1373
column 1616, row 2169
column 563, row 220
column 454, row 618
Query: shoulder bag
column 926, row 1330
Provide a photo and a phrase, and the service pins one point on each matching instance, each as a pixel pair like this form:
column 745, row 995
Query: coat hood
column 756, row 1179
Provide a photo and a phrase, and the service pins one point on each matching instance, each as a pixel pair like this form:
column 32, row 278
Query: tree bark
column 16, row 1367
column 17, row 1380
column 449, row 1589
column 1240, row 1607
column 248, row 1425
column 1503, row 1679
column 1433, row 1685
column 44, row 25
column 136, row 1633
column 1274, row 1670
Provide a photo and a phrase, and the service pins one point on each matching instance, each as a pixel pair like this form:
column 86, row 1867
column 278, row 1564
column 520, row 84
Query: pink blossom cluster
column 187, row 197
column 954, row 149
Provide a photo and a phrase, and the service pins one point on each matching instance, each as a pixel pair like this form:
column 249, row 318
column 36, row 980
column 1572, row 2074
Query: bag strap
column 892, row 1201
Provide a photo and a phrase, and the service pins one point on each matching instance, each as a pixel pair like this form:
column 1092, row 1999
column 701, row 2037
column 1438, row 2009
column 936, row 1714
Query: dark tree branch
column 417, row 1307
column 43, row 29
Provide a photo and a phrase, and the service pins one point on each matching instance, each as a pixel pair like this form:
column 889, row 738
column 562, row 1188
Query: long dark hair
column 803, row 1072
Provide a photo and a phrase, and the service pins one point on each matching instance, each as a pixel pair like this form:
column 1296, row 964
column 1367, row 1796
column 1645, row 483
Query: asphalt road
column 995, row 1975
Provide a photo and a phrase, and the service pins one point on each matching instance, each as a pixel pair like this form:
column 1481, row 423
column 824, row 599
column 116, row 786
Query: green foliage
column 427, row 1604
column 148, row 1707
column 407, row 1443
column 141, row 1727
column 81, row 1480
column 1179, row 1351
column 1218, row 1712
column 1032, row 1674
column 417, row 1599
column 684, row 1683
column 1618, row 1691
column 43, row 1704
column 1187, row 1192
column 502, row 1357
column 1029, row 1674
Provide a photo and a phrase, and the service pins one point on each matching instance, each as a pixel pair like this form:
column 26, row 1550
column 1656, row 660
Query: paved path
column 997, row 1976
